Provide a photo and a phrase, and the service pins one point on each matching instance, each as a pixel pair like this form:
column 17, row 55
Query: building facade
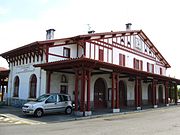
column 99, row 70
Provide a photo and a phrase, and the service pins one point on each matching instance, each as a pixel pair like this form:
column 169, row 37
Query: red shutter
column 152, row 68
column 134, row 62
column 124, row 60
column 120, row 59
column 160, row 71
column 141, row 65
column 147, row 67
column 101, row 55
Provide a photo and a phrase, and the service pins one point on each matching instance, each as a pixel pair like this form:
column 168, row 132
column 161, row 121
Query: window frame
column 33, row 86
column 66, row 52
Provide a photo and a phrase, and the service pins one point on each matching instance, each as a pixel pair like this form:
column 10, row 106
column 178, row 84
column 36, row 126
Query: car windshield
column 42, row 98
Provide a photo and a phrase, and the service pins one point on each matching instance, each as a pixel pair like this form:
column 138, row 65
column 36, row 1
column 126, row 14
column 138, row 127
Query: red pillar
column 48, row 82
column 83, row 81
column 175, row 93
column 166, row 93
column 139, row 93
column 76, row 89
column 154, row 92
column 117, row 91
column 112, row 91
column 136, row 92
column 88, row 90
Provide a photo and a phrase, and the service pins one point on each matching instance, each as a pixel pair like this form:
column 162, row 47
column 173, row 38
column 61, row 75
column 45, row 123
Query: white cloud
column 4, row 11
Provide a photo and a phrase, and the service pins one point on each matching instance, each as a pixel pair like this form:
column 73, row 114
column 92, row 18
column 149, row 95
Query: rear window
column 64, row 98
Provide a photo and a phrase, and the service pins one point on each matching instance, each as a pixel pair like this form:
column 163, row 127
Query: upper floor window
column 121, row 59
column 138, row 64
column 150, row 68
column 33, row 86
column 101, row 55
column 66, row 52
column 16, row 87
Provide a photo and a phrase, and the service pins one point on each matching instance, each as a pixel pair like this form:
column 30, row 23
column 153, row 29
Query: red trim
column 139, row 93
column 99, row 44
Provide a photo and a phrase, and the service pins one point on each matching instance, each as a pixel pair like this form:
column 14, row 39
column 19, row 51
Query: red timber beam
column 166, row 93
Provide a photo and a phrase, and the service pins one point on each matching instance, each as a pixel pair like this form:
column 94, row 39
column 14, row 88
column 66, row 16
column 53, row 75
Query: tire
column 68, row 110
column 38, row 113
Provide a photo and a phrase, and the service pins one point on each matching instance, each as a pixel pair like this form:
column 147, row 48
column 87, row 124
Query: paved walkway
column 12, row 115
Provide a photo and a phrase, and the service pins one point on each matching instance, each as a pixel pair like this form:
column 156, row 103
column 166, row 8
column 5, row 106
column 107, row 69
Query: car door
column 51, row 104
column 61, row 104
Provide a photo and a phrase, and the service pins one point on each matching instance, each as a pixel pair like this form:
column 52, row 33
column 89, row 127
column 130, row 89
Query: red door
column 160, row 95
column 99, row 94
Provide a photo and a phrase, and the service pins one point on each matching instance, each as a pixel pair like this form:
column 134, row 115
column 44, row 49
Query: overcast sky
column 25, row 21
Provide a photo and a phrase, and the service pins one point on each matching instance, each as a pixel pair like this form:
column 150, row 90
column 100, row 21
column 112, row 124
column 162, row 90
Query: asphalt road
column 164, row 121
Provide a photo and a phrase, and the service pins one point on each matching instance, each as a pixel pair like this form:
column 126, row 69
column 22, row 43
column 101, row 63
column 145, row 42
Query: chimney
column 128, row 26
column 50, row 34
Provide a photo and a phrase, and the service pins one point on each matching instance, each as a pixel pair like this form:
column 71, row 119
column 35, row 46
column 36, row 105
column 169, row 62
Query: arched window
column 33, row 86
column 16, row 87
column 63, row 79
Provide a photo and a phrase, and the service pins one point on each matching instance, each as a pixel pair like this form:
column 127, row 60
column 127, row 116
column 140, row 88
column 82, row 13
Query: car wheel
column 68, row 110
column 38, row 112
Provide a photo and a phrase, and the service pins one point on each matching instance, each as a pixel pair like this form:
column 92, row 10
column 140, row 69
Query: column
column 139, row 94
column 88, row 92
column 48, row 81
column 83, row 81
column 166, row 93
column 112, row 91
column 76, row 90
column 175, row 93
column 116, row 81
column 154, row 93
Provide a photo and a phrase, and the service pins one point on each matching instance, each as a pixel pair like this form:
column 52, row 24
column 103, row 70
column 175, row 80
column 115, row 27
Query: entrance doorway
column 122, row 94
column 160, row 94
column 99, row 94
column 150, row 94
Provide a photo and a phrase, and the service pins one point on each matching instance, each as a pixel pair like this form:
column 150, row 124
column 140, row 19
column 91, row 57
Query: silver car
column 48, row 103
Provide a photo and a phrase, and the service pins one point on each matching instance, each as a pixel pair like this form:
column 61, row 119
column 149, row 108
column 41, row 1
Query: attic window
column 129, row 43
column 149, row 52
column 145, row 50
column 122, row 40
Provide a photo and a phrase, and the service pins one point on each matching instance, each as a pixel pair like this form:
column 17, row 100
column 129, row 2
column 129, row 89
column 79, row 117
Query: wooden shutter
column 147, row 67
column 141, row 65
column 134, row 62
column 160, row 71
column 120, row 59
column 101, row 55
column 124, row 60
column 152, row 68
